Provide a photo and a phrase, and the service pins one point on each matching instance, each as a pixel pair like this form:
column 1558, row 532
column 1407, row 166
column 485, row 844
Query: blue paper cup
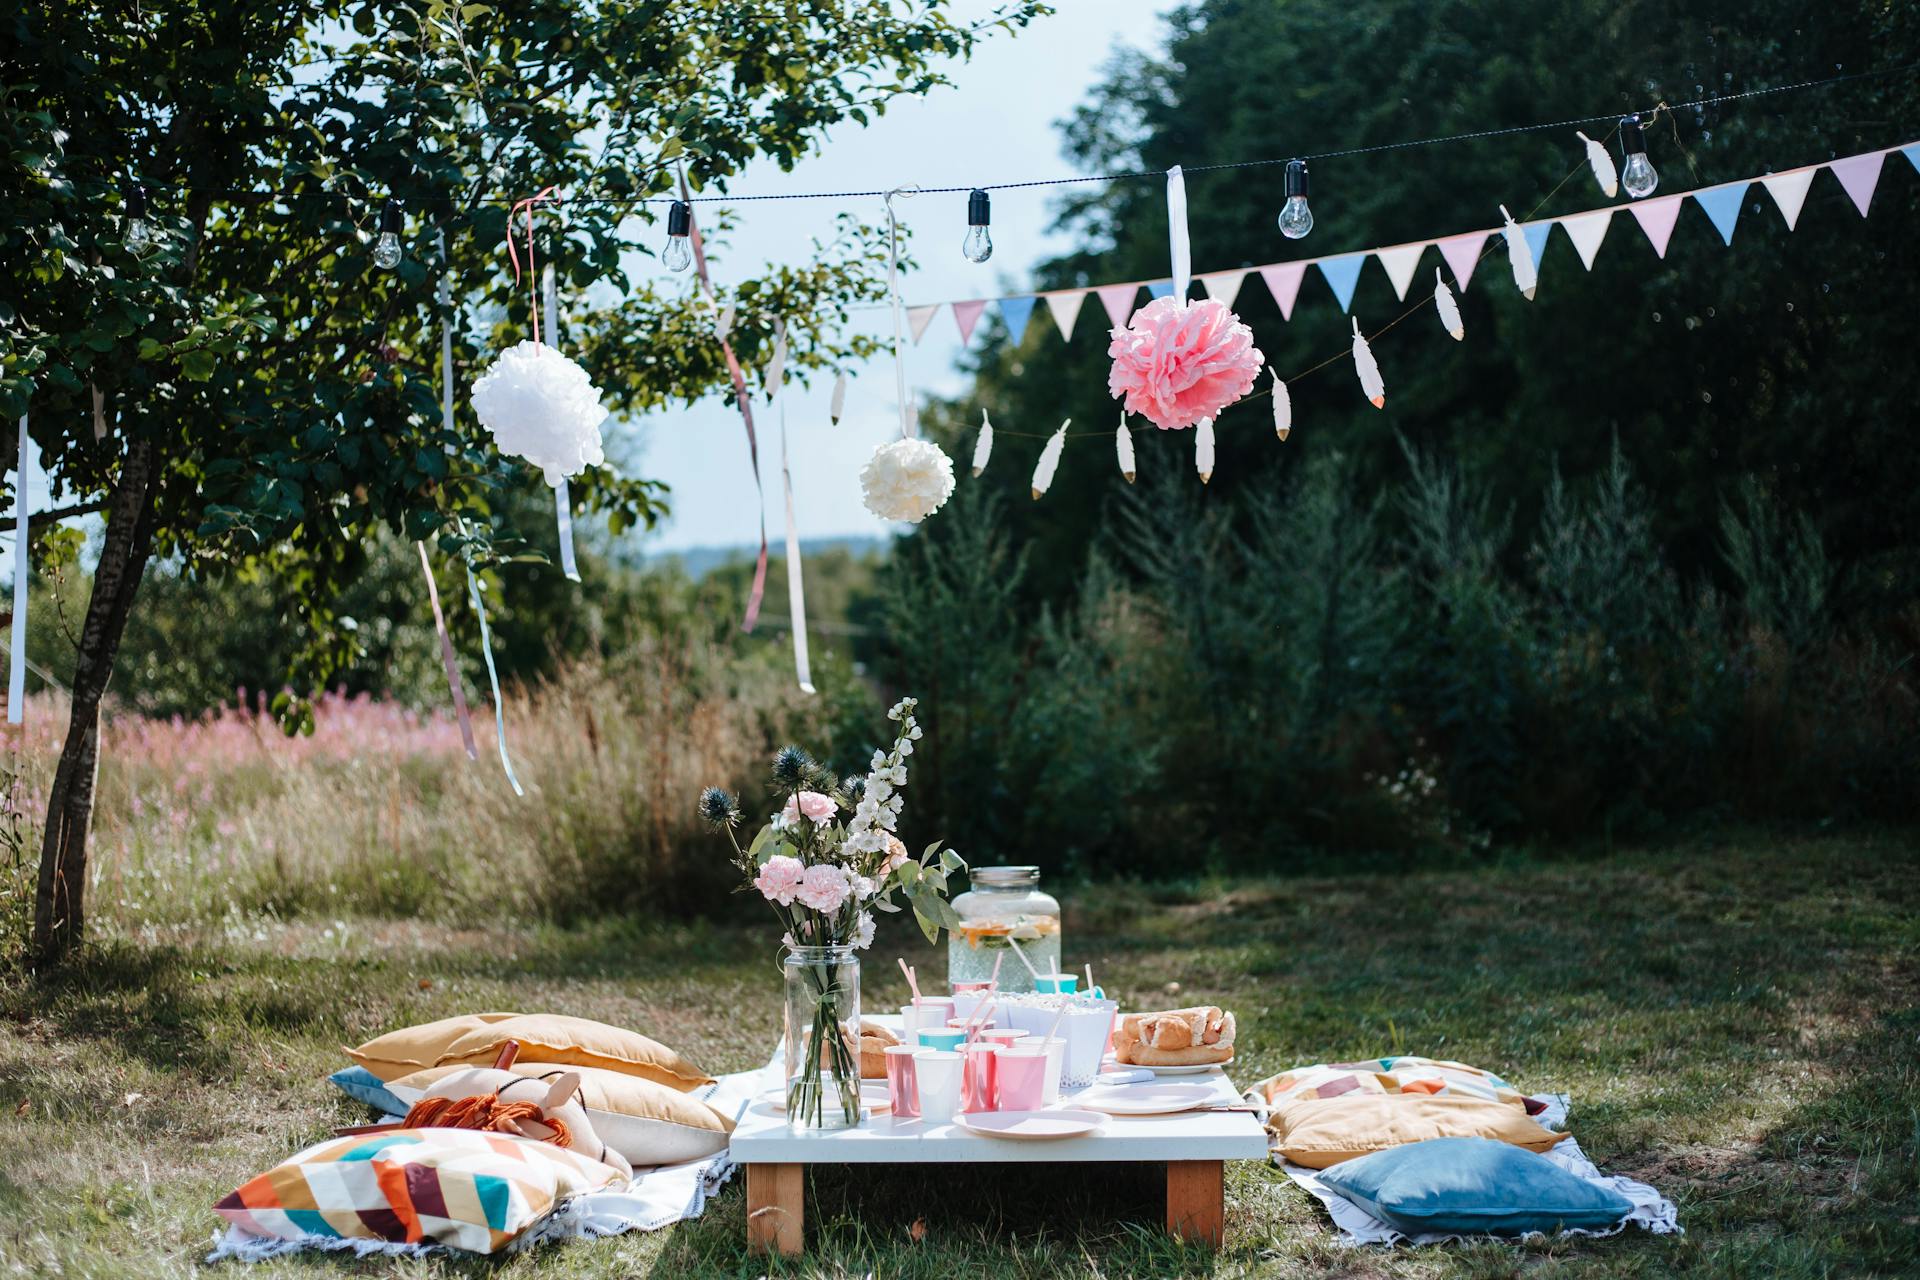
column 1056, row 984
column 937, row 1038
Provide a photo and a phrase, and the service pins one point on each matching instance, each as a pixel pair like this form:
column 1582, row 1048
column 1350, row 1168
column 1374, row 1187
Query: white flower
column 907, row 480
column 541, row 406
column 863, row 932
column 906, row 746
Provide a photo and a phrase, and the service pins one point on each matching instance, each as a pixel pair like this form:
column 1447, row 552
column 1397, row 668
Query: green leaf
column 199, row 365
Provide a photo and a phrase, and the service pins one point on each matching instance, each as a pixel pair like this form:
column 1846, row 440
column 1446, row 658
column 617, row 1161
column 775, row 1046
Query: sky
column 996, row 123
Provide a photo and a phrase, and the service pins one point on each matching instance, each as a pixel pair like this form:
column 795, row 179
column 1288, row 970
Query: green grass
column 1736, row 1022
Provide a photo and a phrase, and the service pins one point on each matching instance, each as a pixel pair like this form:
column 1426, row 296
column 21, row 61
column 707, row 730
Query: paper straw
column 1022, row 957
column 1056, row 1023
column 911, row 984
column 1089, row 977
column 1053, row 965
column 979, row 1019
column 993, row 979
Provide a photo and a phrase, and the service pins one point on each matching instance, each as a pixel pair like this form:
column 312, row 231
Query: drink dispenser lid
column 1005, row 877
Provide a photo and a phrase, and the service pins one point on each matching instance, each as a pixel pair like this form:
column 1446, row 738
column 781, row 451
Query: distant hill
column 698, row 562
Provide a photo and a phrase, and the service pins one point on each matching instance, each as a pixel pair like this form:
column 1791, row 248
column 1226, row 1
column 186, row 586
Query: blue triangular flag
column 1536, row 234
column 1160, row 288
column 1912, row 153
column 1014, row 313
column 1342, row 274
column 1722, row 205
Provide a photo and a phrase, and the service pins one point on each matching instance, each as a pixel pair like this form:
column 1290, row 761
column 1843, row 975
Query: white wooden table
column 1193, row 1145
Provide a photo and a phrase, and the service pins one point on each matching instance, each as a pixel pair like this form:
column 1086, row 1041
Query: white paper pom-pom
column 907, row 480
column 541, row 406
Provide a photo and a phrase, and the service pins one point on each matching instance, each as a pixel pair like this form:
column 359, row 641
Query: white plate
column 1030, row 1126
column 1191, row 1069
column 1149, row 1099
column 873, row 1097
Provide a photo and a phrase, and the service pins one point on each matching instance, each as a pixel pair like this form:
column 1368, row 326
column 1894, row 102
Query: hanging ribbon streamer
column 741, row 398
column 448, row 659
column 533, row 291
column 1177, row 233
column 895, row 306
column 562, row 498
column 796, row 589
column 17, row 660
column 493, row 679
column 445, row 295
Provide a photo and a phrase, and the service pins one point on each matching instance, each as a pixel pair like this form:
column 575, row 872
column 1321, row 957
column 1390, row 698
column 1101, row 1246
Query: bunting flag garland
column 1203, row 449
column 562, row 497
column 1371, row 384
column 837, row 408
column 1587, row 230
column 1282, row 407
column 1462, row 254
column 17, row 658
column 1519, row 256
column 1159, row 288
column 966, row 315
column 1449, row 309
column 1600, row 160
column 1123, row 448
column 983, row 447
column 796, row 587
column 1014, row 313
column 1656, row 218
column 1049, row 460
column 1789, row 192
column 1118, row 301
column 1860, row 175
column 918, row 318
column 1342, row 274
column 1912, row 152
column 1283, row 282
column 1065, row 308
column 1224, row 286
column 1721, row 204
column 1400, row 263
column 1537, row 234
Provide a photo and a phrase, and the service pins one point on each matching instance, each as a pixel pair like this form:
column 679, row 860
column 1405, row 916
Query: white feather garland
column 1203, row 449
column 1449, row 309
column 983, row 447
column 1123, row 448
column 1601, row 162
column 1282, row 406
column 1371, row 385
column 777, row 366
column 1519, row 256
column 838, row 408
column 724, row 325
column 1049, row 460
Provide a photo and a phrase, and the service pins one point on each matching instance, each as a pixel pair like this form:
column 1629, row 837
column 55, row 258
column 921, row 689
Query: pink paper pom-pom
column 1178, row 362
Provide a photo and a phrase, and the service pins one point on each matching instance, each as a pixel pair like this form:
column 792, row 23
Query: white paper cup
column 937, row 1074
column 1056, row 1047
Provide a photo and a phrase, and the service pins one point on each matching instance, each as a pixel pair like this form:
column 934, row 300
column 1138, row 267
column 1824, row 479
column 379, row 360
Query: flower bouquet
column 826, row 862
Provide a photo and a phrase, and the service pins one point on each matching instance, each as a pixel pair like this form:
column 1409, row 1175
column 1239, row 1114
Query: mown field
column 1736, row 1020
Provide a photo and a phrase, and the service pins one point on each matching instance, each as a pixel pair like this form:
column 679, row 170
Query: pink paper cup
column 1023, row 1079
column 903, row 1086
column 980, row 1077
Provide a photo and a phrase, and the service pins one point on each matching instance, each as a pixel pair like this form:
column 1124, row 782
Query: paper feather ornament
column 983, row 447
column 1203, row 449
column 1364, row 364
column 1282, row 406
column 1123, row 449
column 777, row 366
column 1449, row 309
column 724, row 325
column 1519, row 256
column 1049, row 460
column 838, row 407
column 1601, row 162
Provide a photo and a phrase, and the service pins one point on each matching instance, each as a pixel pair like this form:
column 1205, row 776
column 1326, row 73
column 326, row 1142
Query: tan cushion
column 1318, row 1132
column 646, row 1122
column 397, row 1053
column 575, row 1042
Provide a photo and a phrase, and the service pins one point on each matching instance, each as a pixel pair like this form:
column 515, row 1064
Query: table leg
column 776, row 1207
column 1197, row 1200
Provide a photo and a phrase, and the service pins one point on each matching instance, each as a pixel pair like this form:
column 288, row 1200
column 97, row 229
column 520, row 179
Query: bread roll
column 1176, row 1038
column 874, row 1041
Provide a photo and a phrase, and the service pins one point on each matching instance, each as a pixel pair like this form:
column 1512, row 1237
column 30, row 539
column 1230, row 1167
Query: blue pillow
column 362, row 1085
column 1473, row 1186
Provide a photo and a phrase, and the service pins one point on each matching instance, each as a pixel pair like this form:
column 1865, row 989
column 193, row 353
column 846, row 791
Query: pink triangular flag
column 1860, row 175
column 1789, row 191
column 1065, row 308
column 1587, row 230
column 918, row 318
column 1224, row 286
column 1656, row 218
column 1462, row 253
column 966, row 314
column 1283, row 282
column 1400, row 262
column 1118, row 300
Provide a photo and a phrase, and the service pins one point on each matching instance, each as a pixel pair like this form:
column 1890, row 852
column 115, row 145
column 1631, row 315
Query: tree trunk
column 59, row 909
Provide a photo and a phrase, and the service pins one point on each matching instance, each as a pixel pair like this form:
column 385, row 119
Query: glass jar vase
column 1003, row 909
column 822, row 1038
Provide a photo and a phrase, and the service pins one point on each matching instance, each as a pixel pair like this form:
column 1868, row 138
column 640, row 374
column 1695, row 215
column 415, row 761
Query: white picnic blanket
column 655, row 1198
column 1357, row 1227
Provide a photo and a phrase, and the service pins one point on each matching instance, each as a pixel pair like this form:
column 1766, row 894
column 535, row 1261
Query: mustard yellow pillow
column 1318, row 1132
column 648, row 1123
column 409, row 1049
column 575, row 1042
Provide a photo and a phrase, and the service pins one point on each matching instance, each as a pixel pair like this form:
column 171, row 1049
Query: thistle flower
column 854, row 787
column 718, row 809
column 791, row 768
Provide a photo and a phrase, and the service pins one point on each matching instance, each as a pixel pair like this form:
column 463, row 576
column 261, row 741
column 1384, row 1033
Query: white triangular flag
column 724, row 325
column 1065, row 307
column 1449, row 309
column 983, row 447
column 1282, row 406
column 1123, row 447
column 1400, row 262
column 1364, row 364
column 1789, row 191
column 1600, row 160
column 1049, row 460
column 1519, row 256
column 1224, row 286
column 1587, row 230
column 918, row 318
column 839, row 405
column 1203, row 449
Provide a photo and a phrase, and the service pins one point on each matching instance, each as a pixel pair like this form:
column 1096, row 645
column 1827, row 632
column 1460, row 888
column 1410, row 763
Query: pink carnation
column 811, row 803
column 824, row 888
column 1178, row 362
column 779, row 881
column 897, row 854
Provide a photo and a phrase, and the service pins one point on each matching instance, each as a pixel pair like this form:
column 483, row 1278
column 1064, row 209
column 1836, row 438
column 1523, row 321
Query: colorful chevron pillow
column 463, row 1188
column 1434, row 1077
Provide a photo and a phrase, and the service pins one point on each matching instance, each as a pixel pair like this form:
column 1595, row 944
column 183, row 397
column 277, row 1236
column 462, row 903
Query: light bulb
column 1296, row 219
column 386, row 250
column 678, row 255
column 978, row 246
column 1637, row 175
column 137, row 235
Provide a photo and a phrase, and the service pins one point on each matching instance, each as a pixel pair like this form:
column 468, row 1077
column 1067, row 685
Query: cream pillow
column 1318, row 1132
column 397, row 1053
column 574, row 1042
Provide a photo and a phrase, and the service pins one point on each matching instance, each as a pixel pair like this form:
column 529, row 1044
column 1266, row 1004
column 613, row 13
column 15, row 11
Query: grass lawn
column 1737, row 1023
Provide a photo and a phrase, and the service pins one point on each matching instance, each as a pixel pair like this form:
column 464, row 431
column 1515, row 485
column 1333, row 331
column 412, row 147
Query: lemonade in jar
column 1004, row 909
